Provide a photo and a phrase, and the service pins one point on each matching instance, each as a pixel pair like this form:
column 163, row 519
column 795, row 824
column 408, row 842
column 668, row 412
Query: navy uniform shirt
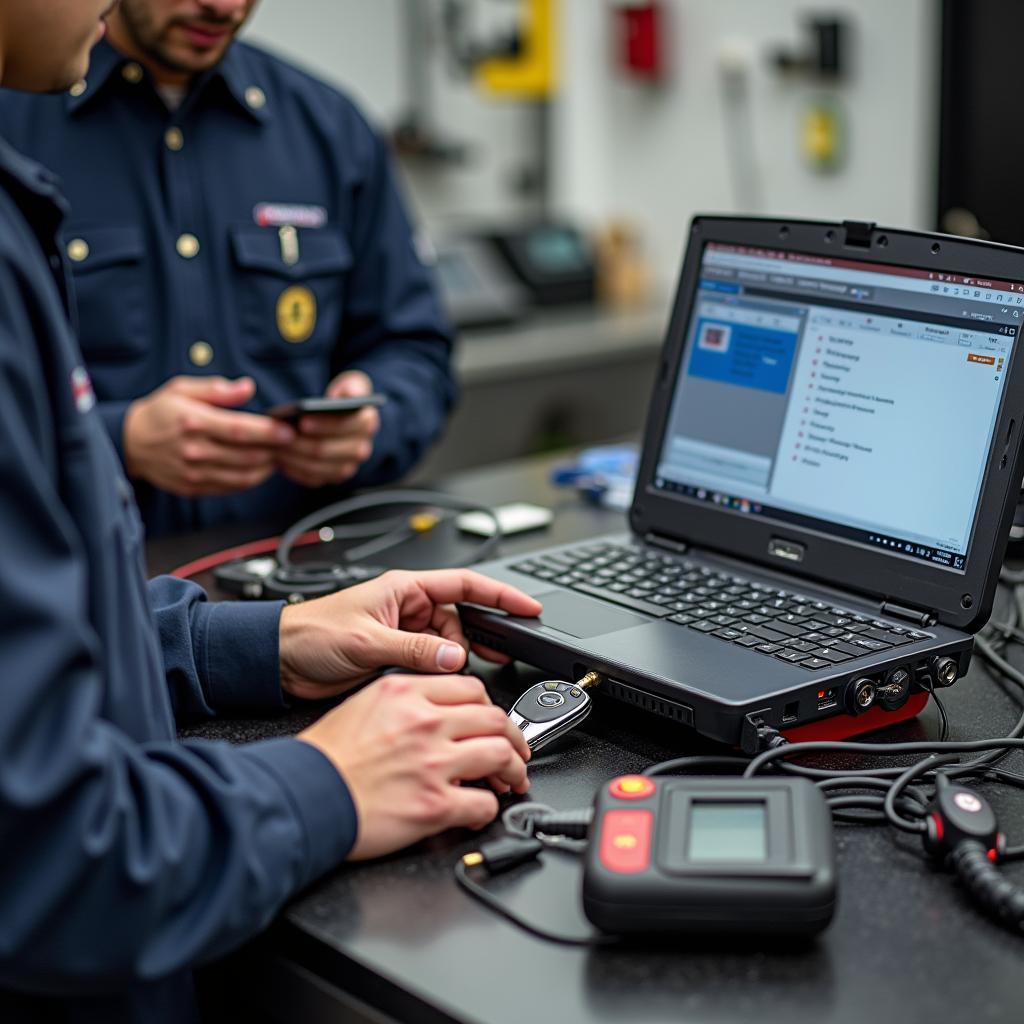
column 256, row 230
column 126, row 856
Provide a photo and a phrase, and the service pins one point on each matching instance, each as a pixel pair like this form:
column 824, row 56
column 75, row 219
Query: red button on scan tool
column 631, row 787
column 626, row 841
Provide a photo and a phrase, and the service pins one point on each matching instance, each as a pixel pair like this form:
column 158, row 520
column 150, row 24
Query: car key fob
column 549, row 710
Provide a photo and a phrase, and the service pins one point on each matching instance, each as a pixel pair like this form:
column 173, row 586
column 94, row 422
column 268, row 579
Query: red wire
column 256, row 547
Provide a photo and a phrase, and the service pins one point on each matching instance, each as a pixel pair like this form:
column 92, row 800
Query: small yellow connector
column 589, row 680
column 423, row 522
column 473, row 860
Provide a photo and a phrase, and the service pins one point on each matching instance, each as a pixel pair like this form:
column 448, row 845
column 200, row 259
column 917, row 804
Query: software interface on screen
column 845, row 396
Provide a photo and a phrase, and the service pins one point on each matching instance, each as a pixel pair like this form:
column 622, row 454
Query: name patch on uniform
column 81, row 390
column 296, row 314
column 276, row 215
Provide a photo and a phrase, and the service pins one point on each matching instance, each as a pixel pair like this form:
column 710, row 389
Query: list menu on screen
column 843, row 395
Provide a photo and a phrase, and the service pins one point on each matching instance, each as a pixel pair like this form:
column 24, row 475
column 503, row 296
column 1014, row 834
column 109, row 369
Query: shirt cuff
column 112, row 414
column 320, row 798
column 238, row 654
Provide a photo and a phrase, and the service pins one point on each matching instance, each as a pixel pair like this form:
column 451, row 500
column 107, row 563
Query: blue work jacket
column 125, row 856
column 255, row 230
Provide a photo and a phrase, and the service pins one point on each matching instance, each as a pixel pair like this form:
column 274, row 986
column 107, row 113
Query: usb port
column 827, row 700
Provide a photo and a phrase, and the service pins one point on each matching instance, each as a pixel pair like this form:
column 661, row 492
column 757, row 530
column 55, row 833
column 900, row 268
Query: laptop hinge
column 899, row 611
column 858, row 233
column 677, row 547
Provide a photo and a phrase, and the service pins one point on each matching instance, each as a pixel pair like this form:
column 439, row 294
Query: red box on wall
column 641, row 29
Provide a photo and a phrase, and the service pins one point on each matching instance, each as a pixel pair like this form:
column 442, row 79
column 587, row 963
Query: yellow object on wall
column 823, row 135
column 533, row 73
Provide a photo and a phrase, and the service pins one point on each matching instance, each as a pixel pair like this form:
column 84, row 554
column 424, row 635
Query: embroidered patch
column 81, row 390
column 275, row 215
column 296, row 314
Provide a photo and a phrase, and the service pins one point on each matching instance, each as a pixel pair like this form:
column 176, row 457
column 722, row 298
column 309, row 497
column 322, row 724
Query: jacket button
column 187, row 246
column 255, row 97
column 78, row 89
column 200, row 353
column 78, row 250
column 132, row 72
column 174, row 139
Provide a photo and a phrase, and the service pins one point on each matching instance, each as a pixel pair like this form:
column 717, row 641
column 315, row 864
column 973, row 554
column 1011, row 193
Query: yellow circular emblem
column 296, row 314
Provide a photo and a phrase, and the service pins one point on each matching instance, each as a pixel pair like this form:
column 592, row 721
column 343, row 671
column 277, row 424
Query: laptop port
column 827, row 699
column 790, row 712
column 895, row 690
column 860, row 695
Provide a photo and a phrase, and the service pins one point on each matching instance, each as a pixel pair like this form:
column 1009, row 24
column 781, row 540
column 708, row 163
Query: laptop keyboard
column 776, row 623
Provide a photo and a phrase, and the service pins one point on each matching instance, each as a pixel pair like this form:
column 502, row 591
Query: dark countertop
column 398, row 934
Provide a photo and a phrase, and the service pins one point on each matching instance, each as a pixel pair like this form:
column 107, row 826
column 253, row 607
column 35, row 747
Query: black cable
column 876, row 749
column 874, row 803
column 480, row 893
column 998, row 897
column 1002, row 775
column 929, row 687
column 385, row 499
column 915, row 771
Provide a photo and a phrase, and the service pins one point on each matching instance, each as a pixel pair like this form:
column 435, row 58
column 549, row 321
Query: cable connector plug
column 503, row 854
column 757, row 735
column 959, row 815
column 571, row 824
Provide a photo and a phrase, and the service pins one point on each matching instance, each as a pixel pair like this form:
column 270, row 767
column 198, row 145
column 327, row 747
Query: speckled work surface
column 905, row 946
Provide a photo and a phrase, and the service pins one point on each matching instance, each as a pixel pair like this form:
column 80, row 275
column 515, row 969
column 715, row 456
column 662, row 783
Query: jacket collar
column 237, row 73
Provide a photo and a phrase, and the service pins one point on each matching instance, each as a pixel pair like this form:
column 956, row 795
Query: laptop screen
column 843, row 396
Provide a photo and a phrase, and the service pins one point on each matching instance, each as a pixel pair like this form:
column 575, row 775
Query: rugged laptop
column 830, row 467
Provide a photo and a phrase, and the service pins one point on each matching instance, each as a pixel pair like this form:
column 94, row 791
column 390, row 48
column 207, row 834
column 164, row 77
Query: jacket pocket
column 291, row 289
column 107, row 269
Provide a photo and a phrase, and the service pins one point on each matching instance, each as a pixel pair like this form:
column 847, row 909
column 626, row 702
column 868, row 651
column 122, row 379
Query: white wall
column 659, row 155
column 656, row 156
column 360, row 45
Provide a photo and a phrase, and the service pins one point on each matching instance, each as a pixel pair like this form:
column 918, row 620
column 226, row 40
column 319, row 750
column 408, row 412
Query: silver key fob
column 549, row 710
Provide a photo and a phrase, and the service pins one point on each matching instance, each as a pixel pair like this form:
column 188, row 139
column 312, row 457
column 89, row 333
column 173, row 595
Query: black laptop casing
column 718, row 688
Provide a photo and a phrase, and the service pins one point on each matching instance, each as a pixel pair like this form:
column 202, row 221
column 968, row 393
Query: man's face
column 180, row 36
column 46, row 43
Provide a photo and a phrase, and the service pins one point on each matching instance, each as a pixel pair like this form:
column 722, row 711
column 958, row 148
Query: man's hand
column 400, row 620
column 185, row 439
column 403, row 746
column 331, row 448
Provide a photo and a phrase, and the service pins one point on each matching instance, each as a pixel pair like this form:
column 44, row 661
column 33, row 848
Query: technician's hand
column 185, row 438
column 330, row 449
column 404, row 745
column 400, row 619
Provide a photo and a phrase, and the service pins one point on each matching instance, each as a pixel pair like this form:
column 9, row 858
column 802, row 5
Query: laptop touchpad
column 581, row 616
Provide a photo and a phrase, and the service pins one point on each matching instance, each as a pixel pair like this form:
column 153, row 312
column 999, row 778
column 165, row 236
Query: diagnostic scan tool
column 710, row 855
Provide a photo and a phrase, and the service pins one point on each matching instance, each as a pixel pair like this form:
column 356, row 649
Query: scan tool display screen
column 838, row 394
column 727, row 831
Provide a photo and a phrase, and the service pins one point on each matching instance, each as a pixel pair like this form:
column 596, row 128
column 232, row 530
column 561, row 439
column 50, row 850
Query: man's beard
column 147, row 36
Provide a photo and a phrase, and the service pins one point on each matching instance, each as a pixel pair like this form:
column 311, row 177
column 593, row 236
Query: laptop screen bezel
column 961, row 599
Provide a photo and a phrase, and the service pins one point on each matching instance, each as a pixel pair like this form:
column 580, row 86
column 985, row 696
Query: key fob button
column 550, row 700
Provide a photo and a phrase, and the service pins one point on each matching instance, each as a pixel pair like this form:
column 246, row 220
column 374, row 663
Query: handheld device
column 323, row 405
column 714, row 855
column 551, row 708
